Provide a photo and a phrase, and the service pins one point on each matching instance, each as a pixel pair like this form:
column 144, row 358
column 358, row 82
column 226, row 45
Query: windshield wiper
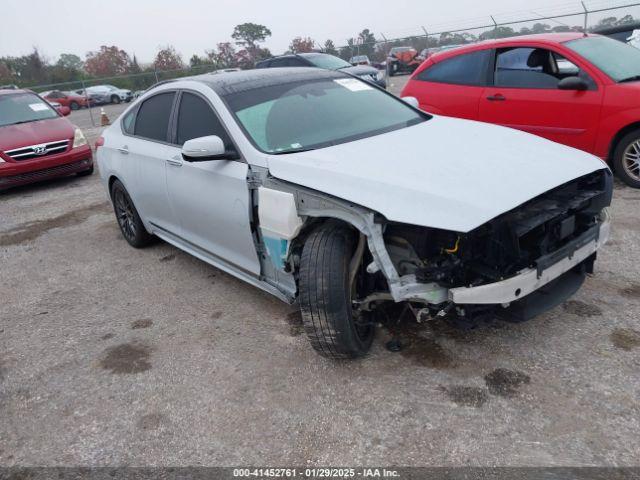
column 635, row 78
column 295, row 150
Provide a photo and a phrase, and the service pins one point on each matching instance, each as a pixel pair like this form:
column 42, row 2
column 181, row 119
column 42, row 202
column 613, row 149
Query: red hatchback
column 37, row 142
column 579, row 90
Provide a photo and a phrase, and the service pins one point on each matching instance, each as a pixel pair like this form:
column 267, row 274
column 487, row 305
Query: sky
column 141, row 27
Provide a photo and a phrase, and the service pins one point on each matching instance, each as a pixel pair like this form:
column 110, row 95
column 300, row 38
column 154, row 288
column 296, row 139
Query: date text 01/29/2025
column 314, row 473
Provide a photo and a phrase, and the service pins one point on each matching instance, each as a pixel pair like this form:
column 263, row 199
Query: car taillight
column 99, row 142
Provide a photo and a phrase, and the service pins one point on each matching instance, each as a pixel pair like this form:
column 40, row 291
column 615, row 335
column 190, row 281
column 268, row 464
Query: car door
column 146, row 146
column 211, row 198
column 452, row 86
column 524, row 94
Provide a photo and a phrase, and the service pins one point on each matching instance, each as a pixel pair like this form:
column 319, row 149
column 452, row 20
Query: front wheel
column 115, row 99
column 327, row 291
column 626, row 159
column 129, row 221
column 74, row 106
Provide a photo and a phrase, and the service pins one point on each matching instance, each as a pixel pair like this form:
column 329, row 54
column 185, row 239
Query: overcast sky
column 192, row 26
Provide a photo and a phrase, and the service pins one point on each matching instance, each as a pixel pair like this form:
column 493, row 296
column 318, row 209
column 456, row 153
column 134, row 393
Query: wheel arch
column 619, row 136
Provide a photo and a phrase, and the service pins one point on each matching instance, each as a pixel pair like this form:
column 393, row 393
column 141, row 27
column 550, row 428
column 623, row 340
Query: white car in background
column 102, row 94
column 324, row 190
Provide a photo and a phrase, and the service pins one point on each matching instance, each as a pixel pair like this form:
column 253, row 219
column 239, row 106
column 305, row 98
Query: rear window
column 24, row 108
column 465, row 69
column 152, row 121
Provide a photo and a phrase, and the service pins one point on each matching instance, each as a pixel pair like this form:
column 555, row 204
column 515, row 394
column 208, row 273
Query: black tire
column 325, row 297
column 390, row 70
column 74, row 106
column 623, row 164
column 85, row 173
column 115, row 99
column 127, row 216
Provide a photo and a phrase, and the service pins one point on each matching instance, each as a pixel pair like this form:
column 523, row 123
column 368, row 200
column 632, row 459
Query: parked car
column 402, row 60
column 583, row 91
column 310, row 185
column 323, row 60
column 68, row 99
column 37, row 142
column 623, row 33
column 360, row 60
column 102, row 94
column 9, row 87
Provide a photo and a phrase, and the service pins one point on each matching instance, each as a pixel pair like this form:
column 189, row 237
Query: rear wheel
column 326, row 292
column 74, row 106
column 626, row 159
column 115, row 99
column 129, row 221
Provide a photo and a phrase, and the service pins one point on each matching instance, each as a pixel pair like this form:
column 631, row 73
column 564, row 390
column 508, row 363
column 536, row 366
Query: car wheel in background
column 391, row 70
column 129, row 221
column 85, row 173
column 74, row 106
column 115, row 99
column 626, row 159
column 326, row 293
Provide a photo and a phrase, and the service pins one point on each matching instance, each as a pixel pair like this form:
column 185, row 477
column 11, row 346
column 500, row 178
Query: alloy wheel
column 631, row 160
column 125, row 214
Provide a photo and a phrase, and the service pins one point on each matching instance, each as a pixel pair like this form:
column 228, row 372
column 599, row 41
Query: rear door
column 525, row 95
column 145, row 147
column 211, row 198
column 453, row 86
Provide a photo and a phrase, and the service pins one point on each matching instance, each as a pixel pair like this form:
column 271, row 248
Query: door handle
column 124, row 150
column 174, row 162
column 496, row 98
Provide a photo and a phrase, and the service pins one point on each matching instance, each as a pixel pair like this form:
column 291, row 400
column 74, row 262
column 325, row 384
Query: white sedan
column 325, row 190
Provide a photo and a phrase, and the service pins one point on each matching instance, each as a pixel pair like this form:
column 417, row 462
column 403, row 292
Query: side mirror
column 413, row 101
column 203, row 149
column 64, row 111
column 573, row 83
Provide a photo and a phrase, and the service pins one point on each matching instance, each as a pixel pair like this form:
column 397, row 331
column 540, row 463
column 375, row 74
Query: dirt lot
column 116, row 356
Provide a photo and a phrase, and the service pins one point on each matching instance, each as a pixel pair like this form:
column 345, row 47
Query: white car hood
column 444, row 173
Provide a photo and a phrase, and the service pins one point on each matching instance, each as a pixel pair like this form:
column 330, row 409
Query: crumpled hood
column 444, row 173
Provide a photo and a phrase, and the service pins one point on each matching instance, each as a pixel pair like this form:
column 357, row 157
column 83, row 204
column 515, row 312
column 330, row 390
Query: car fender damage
column 496, row 265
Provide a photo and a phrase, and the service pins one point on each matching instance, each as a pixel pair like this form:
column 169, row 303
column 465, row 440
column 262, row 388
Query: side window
column 296, row 62
column 128, row 122
column 197, row 119
column 465, row 69
column 529, row 67
column 152, row 120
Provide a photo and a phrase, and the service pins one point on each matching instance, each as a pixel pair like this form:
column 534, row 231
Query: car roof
column 545, row 38
column 14, row 91
column 233, row 82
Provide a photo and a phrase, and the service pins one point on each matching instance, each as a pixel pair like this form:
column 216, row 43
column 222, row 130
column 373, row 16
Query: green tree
column 249, row 35
column 71, row 62
column 330, row 48
column 366, row 43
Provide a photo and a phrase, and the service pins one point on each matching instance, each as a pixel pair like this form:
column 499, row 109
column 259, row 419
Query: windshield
column 24, row 108
column 327, row 61
column 319, row 113
column 618, row 60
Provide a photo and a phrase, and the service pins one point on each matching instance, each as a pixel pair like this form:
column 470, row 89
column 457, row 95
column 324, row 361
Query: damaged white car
column 324, row 190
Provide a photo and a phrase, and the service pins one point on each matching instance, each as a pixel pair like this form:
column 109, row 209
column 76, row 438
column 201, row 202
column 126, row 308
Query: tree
column 168, row 59
column 301, row 45
column 367, row 42
column 5, row 72
column 107, row 61
column 330, row 48
column 499, row 32
column 134, row 67
column 69, row 61
column 224, row 57
column 250, row 34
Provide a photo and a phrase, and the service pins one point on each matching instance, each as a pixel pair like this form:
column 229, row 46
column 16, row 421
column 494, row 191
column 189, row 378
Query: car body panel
column 491, row 170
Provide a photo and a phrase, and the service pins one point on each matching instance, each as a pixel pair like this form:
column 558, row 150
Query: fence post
column 586, row 17
column 89, row 107
column 495, row 27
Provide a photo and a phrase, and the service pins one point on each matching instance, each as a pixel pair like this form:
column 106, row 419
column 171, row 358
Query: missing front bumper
column 532, row 279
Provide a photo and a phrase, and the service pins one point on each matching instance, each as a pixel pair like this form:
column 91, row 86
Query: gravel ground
column 116, row 356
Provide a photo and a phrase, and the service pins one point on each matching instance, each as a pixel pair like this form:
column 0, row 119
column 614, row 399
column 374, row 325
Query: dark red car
column 579, row 90
column 37, row 142
column 67, row 99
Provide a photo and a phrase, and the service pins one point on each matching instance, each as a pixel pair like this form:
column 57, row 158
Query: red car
column 579, row 90
column 71, row 100
column 37, row 142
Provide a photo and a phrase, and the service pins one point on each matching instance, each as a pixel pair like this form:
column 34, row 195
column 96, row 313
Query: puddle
column 420, row 349
column 632, row 291
column 142, row 323
column 296, row 326
column 215, row 315
column 581, row 309
column 107, row 336
column 151, row 421
column 466, row 396
column 505, row 383
column 625, row 338
column 127, row 358
column 29, row 231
